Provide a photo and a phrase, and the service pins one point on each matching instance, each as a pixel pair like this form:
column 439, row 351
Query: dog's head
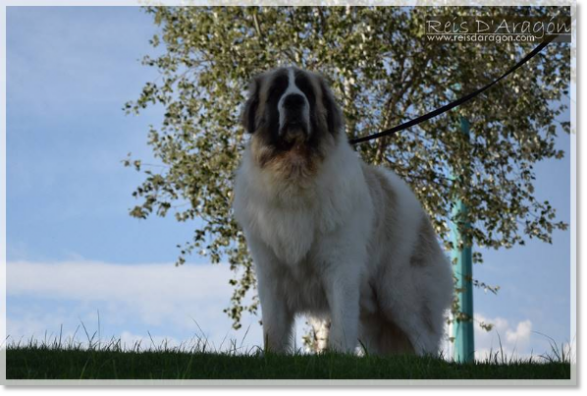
column 294, row 120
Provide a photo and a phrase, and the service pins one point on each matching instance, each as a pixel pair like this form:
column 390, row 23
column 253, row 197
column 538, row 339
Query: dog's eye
column 306, row 87
column 279, row 86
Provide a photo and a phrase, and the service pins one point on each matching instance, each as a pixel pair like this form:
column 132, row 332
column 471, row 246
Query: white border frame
column 573, row 174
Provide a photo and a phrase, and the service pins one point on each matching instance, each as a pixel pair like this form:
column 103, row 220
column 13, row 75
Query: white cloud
column 512, row 339
column 177, row 301
column 177, row 304
column 522, row 333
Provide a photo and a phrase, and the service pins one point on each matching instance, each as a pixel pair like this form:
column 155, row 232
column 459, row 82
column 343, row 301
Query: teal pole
column 464, row 341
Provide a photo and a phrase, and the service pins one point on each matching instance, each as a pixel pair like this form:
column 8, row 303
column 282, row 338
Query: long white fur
column 317, row 252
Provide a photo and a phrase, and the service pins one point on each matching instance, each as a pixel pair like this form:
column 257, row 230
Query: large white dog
column 331, row 236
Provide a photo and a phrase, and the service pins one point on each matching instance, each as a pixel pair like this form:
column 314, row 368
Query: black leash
column 457, row 102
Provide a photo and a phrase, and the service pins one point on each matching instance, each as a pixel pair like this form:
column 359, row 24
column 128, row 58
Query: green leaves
column 383, row 73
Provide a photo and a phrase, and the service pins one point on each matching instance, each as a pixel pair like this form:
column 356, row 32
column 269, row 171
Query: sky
column 76, row 259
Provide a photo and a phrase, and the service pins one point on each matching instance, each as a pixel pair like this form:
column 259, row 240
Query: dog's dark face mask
column 291, row 109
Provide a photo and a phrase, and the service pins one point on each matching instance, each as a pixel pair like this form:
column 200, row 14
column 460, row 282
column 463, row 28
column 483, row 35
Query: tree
column 383, row 72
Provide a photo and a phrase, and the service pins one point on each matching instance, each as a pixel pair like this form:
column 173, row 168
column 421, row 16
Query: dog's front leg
column 277, row 316
column 277, row 320
column 342, row 292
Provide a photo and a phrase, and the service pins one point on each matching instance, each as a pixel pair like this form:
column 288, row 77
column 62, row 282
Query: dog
column 332, row 237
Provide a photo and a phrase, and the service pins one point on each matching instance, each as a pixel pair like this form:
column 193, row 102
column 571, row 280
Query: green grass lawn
column 37, row 362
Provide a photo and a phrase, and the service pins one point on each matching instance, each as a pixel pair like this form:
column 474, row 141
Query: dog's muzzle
column 294, row 118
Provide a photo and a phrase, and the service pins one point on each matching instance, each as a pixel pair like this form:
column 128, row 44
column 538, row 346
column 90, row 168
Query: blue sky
column 72, row 249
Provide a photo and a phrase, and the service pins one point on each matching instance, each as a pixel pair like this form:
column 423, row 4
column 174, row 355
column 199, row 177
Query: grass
column 109, row 361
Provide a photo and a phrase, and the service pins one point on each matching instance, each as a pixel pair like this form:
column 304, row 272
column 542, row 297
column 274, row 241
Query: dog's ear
column 334, row 116
column 249, row 114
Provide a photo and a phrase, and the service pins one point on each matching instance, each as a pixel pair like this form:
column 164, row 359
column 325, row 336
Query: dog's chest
column 290, row 233
column 291, row 230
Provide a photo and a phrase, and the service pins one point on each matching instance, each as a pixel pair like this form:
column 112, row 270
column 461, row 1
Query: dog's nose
column 294, row 102
column 294, row 117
